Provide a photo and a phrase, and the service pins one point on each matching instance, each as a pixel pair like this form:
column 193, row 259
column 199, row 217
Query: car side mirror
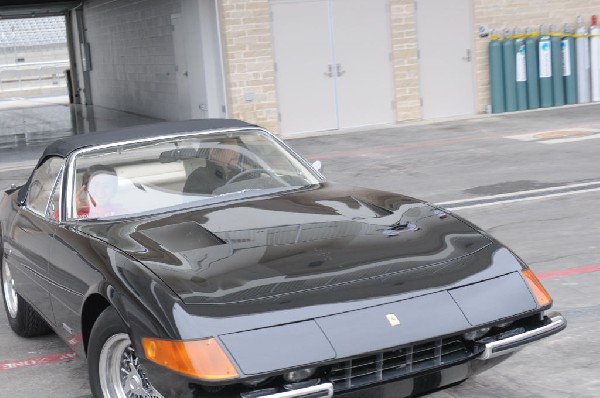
column 318, row 166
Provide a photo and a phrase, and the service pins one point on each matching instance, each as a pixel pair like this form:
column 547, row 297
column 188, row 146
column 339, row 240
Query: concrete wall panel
column 132, row 56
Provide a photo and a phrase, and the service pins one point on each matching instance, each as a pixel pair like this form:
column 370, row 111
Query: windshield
column 145, row 177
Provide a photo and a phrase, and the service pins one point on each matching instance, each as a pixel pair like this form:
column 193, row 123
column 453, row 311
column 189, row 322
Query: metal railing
column 33, row 75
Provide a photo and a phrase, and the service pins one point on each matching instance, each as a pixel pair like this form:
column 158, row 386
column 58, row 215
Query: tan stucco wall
column 404, row 58
column 249, row 63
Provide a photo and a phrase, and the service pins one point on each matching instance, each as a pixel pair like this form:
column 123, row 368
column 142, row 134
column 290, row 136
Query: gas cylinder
column 496, row 73
column 545, row 70
column 558, row 87
column 595, row 58
column 510, row 78
column 569, row 66
column 521, row 70
column 531, row 61
column 583, row 62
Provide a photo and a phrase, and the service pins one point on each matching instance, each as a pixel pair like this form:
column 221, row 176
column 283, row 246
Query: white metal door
column 333, row 64
column 306, row 92
column 183, row 83
column 197, row 49
column 362, row 62
column 195, row 62
column 444, row 36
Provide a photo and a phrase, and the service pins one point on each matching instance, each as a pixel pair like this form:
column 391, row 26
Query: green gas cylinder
column 521, row 70
column 569, row 65
column 496, row 73
column 510, row 73
column 558, row 89
column 531, row 61
column 545, row 68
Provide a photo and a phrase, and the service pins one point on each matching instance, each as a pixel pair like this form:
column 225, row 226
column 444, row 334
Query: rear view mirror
column 178, row 154
column 318, row 166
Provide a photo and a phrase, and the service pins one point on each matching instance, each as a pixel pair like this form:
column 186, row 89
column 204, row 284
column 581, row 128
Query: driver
column 222, row 165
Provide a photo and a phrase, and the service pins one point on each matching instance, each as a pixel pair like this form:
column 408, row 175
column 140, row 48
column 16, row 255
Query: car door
column 70, row 268
column 31, row 238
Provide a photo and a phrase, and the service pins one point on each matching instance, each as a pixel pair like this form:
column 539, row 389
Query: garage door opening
column 34, row 58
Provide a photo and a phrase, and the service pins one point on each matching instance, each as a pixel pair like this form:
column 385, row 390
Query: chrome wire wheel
column 10, row 293
column 120, row 373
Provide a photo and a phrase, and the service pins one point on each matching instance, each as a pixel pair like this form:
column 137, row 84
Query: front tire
column 22, row 318
column 114, row 368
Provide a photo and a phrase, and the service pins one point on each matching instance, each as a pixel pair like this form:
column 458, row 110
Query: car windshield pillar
column 42, row 186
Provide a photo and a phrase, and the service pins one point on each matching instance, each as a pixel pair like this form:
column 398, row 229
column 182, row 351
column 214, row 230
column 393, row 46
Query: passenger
column 82, row 198
column 96, row 196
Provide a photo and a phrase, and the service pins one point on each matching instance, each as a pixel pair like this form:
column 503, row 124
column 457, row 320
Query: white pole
column 583, row 63
column 595, row 58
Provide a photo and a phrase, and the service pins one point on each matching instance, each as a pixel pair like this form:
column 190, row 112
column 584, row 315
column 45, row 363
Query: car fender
column 143, row 301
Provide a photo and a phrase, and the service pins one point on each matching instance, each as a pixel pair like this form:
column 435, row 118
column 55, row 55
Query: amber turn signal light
column 204, row 359
column 538, row 290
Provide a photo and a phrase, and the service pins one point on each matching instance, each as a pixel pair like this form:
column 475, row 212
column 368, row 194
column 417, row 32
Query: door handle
column 467, row 57
column 339, row 70
column 329, row 72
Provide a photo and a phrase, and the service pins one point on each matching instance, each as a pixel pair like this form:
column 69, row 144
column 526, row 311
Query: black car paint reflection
column 287, row 279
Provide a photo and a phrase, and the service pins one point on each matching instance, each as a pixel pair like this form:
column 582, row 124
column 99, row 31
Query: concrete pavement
column 485, row 157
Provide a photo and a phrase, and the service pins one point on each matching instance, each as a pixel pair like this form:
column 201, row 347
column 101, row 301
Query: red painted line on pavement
column 37, row 361
column 569, row 271
column 429, row 144
column 400, row 147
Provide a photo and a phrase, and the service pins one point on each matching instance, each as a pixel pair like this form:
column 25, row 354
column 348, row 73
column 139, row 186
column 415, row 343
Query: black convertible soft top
column 65, row 146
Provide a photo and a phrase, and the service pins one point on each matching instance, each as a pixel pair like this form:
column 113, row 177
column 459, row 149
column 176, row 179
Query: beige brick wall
column 519, row 13
column 404, row 57
column 248, row 53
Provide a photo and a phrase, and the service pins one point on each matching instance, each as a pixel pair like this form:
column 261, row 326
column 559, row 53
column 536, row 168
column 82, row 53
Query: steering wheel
column 257, row 170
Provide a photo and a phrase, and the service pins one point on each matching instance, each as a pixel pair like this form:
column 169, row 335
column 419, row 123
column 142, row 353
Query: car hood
column 313, row 245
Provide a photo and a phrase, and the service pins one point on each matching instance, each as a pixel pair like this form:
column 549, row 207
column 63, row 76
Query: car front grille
column 398, row 363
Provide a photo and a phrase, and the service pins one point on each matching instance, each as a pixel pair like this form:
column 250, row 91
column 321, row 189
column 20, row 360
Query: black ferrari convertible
column 205, row 258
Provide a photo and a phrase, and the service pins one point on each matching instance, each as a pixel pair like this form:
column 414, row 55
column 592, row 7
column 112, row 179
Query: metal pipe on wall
column 521, row 70
column 569, row 65
column 558, row 88
column 583, row 63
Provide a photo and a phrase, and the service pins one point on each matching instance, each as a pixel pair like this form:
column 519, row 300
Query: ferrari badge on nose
column 393, row 320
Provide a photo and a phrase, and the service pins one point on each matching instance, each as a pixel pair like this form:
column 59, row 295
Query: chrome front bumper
column 554, row 323
column 324, row 390
column 501, row 347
